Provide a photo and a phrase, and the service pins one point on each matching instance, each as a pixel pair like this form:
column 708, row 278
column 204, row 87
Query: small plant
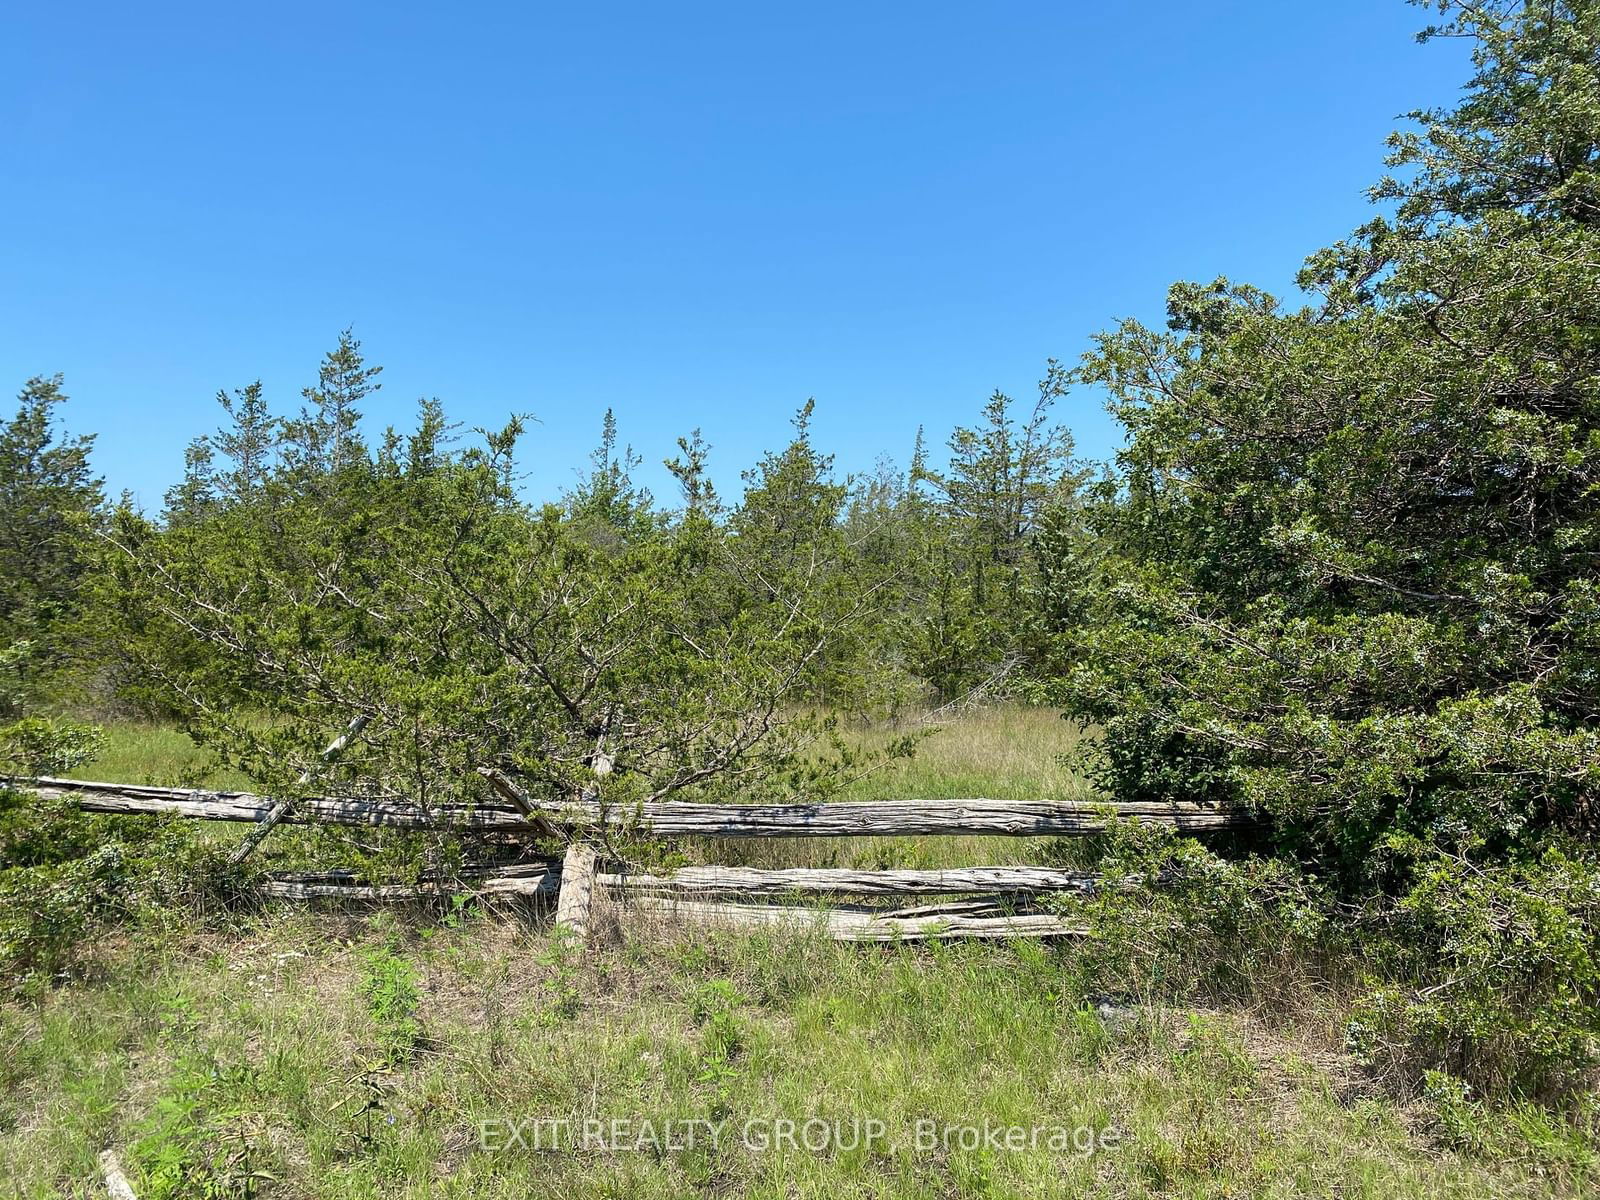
column 204, row 1138
column 715, row 1007
column 566, row 996
column 389, row 984
column 1459, row 1117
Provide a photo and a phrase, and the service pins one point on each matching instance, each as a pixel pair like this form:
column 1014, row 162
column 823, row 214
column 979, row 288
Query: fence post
column 577, row 891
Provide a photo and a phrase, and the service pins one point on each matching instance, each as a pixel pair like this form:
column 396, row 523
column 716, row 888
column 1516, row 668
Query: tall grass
column 259, row 1061
column 1007, row 752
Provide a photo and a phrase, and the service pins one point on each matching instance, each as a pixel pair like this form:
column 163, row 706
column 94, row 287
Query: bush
column 1173, row 919
column 1502, row 979
column 64, row 873
column 1344, row 577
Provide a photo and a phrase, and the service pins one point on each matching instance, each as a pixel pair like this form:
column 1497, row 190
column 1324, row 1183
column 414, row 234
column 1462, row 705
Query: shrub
column 1502, row 978
column 48, row 745
column 1344, row 576
column 1174, row 919
column 64, row 873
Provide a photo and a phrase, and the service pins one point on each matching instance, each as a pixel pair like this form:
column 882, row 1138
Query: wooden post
column 117, row 1185
column 281, row 809
column 577, row 891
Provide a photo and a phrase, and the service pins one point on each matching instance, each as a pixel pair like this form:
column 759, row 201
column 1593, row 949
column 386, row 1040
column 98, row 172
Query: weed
column 389, row 984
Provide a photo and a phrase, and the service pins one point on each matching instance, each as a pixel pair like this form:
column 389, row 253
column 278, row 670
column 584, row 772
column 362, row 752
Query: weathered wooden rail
column 829, row 881
column 682, row 896
column 895, row 818
column 861, row 925
column 690, row 894
column 534, row 879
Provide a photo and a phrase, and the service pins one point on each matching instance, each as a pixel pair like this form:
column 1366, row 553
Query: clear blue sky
column 698, row 214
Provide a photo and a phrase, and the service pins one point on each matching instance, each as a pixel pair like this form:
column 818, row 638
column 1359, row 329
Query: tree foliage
column 1347, row 574
column 49, row 499
column 414, row 587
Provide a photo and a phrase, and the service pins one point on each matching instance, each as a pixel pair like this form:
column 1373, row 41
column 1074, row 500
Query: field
column 296, row 1053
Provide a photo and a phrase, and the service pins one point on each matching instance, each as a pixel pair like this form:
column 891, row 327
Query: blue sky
column 697, row 214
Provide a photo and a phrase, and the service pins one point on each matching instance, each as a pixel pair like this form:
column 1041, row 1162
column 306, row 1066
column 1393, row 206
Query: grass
column 333, row 1054
column 1002, row 753
column 267, row 1057
column 1010, row 753
column 138, row 751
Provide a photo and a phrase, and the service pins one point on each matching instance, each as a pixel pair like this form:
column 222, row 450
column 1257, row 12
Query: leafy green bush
column 1502, row 978
column 37, row 745
column 63, row 875
column 63, row 871
column 1173, row 919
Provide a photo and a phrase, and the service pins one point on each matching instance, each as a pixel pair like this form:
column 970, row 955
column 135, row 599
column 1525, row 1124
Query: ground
column 336, row 1053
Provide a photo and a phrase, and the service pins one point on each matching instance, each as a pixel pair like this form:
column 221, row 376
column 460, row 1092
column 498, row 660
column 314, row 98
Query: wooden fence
column 999, row 907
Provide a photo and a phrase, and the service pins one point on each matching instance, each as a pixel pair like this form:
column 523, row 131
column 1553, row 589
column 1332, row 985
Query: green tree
column 788, row 532
column 1347, row 574
column 699, row 494
column 49, row 499
column 607, row 500
column 473, row 630
column 978, row 537
column 792, row 504
column 249, row 442
column 325, row 438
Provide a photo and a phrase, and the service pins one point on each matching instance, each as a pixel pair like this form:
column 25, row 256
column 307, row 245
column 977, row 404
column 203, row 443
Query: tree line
column 298, row 571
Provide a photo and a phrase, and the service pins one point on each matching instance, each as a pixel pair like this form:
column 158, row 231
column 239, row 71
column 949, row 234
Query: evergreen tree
column 49, row 499
column 250, row 442
column 978, row 539
column 606, row 499
column 1348, row 574
column 326, row 438
column 699, row 494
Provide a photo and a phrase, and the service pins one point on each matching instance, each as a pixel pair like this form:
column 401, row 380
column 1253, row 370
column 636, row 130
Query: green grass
column 1003, row 753
column 1009, row 753
column 322, row 1053
column 262, row 1052
column 144, row 752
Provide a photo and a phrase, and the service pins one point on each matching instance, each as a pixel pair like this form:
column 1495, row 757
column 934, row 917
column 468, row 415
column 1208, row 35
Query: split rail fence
column 998, row 904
